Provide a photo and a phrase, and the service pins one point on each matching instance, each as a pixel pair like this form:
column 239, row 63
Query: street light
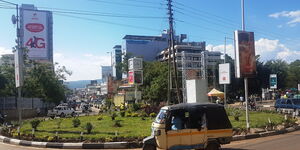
column 19, row 60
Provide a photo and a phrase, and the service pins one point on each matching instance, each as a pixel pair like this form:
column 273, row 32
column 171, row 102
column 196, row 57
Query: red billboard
column 245, row 61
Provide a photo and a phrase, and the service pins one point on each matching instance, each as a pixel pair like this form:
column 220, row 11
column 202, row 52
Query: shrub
column 89, row 127
column 100, row 118
column 76, row 122
column 152, row 115
column 122, row 113
column 236, row 113
column 58, row 123
column 128, row 114
column 117, row 123
column 113, row 116
column 143, row 114
column 35, row 123
column 134, row 115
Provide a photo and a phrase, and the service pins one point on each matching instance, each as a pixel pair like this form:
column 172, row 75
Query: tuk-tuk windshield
column 161, row 117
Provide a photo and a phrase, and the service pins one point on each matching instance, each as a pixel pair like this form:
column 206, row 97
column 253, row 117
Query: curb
column 124, row 145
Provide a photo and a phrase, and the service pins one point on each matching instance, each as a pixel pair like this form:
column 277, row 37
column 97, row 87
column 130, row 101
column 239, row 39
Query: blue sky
column 81, row 43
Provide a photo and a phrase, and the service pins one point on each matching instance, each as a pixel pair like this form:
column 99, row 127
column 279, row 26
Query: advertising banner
column 224, row 73
column 18, row 68
column 35, row 36
column 273, row 81
column 245, row 62
column 130, row 77
column 135, row 64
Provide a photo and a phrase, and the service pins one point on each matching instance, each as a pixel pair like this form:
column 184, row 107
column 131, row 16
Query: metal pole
column 183, row 77
column 243, row 16
column 224, row 63
column 135, row 93
column 245, row 79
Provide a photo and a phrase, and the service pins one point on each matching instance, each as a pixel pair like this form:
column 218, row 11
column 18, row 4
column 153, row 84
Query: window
column 161, row 117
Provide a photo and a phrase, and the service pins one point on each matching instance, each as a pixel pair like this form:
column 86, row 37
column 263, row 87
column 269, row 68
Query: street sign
column 135, row 64
column 224, row 73
column 273, row 81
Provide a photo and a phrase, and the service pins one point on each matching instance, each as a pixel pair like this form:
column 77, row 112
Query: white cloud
column 294, row 16
column 5, row 51
column 84, row 67
column 266, row 48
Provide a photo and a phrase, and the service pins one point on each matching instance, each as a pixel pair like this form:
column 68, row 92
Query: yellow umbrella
column 215, row 92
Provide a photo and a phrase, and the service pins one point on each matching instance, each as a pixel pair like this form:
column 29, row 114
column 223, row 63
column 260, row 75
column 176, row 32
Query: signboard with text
column 35, row 33
column 245, row 64
column 273, row 81
column 135, row 64
column 224, row 73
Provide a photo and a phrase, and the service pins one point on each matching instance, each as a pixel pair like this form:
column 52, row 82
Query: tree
column 293, row 74
column 155, row 82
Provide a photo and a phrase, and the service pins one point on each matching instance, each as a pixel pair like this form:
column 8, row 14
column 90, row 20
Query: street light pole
column 245, row 79
column 19, row 59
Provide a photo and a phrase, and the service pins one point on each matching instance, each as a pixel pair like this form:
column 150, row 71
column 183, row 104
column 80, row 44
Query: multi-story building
column 145, row 46
column 7, row 59
column 116, row 60
column 106, row 71
column 193, row 58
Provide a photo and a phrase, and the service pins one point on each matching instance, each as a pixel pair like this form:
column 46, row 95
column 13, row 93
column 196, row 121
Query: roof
column 139, row 37
column 188, row 106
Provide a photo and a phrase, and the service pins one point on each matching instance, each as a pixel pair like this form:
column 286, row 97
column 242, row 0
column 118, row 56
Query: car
column 61, row 111
column 202, row 126
column 288, row 105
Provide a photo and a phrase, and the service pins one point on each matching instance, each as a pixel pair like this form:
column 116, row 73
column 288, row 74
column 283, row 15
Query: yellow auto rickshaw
column 190, row 126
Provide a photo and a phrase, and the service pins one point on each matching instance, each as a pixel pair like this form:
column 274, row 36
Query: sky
column 85, row 31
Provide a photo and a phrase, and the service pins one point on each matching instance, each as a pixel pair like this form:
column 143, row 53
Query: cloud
column 5, row 51
column 294, row 17
column 266, row 48
column 84, row 67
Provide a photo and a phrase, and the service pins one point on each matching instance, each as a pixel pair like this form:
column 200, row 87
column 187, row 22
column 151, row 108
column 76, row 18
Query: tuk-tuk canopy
column 215, row 92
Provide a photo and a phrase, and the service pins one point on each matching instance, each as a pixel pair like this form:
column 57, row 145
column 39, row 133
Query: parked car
column 61, row 111
column 201, row 126
column 290, row 105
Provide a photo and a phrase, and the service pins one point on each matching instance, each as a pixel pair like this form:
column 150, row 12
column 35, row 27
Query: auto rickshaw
column 190, row 126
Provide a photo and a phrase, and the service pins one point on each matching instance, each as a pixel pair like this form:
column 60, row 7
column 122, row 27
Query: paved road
column 288, row 141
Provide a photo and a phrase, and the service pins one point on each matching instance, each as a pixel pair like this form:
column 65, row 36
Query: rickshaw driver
column 176, row 123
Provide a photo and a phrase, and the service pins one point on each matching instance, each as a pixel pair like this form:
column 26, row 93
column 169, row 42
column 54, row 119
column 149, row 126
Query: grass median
column 132, row 128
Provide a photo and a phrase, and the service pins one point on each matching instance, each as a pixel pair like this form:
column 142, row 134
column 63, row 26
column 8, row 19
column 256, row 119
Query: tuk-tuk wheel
column 213, row 146
column 149, row 147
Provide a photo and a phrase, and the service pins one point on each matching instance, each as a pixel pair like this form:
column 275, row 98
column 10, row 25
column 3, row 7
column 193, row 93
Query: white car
column 61, row 111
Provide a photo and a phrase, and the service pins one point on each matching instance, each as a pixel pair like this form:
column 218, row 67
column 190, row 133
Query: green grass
column 132, row 127
column 257, row 120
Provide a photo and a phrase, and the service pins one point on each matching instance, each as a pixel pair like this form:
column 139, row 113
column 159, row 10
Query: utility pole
column 18, row 60
column 171, row 48
column 245, row 78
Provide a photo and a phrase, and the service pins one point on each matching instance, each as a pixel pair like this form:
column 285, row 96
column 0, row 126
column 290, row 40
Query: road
column 289, row 141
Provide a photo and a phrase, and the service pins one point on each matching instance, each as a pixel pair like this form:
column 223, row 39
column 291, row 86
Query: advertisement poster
column 245, row 54
column 224, row 73
column 34, row 27
column 131, row 77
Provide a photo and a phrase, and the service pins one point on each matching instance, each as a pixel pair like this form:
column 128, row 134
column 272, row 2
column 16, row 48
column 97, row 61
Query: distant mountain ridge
column 79, row 83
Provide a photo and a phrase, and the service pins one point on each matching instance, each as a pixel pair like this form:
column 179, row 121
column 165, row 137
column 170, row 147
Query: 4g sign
column 35, row 37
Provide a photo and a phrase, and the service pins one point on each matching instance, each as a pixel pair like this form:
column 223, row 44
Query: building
column 36, row 28
column 106, row 71
column 7, row 59
column 193, row 58
column 116, row 60
column 146, row 47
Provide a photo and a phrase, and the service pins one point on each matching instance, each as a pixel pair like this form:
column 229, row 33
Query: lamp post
column 18, row 59
column 225, row 103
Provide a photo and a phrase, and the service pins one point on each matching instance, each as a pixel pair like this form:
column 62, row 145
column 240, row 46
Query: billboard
column 135, row 64
column 35, row 33
column 273, row 81
column 135, row 77
column 224, row 73
column 245, row 62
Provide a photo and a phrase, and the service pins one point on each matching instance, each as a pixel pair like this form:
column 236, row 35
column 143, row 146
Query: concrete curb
column 124, row 145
